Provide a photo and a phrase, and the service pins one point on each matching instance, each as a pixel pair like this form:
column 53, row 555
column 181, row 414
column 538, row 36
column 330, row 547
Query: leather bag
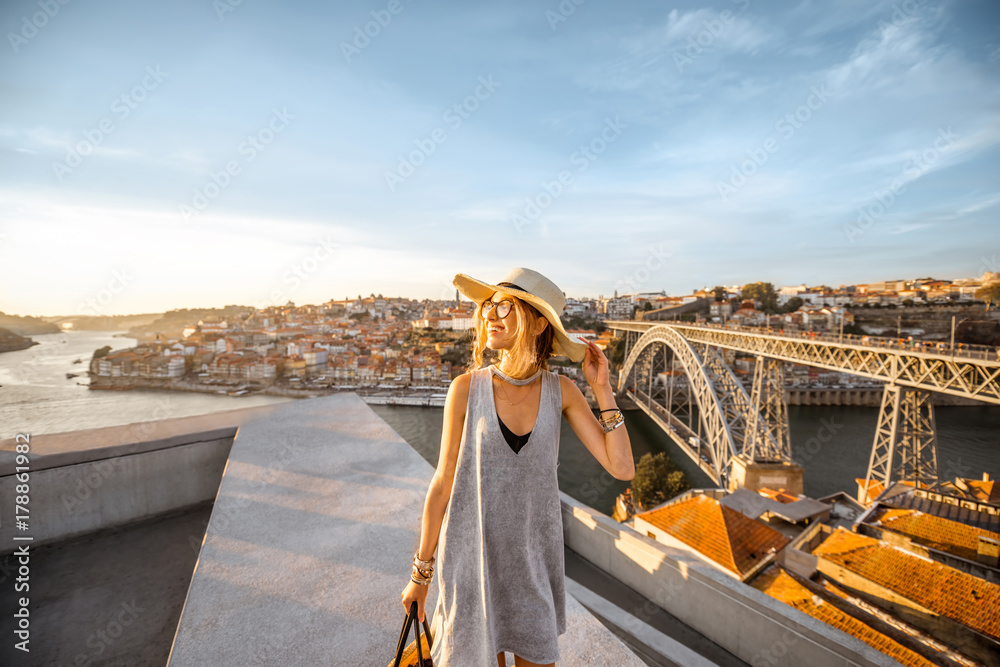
column 418, row 653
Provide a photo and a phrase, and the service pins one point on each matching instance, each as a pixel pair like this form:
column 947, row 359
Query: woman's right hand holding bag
column 415, row 592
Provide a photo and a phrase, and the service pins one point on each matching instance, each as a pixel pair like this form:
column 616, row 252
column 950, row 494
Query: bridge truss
column 715, row 420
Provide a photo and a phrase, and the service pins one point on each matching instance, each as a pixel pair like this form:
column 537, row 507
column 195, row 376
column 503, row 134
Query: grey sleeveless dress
column 500, row 569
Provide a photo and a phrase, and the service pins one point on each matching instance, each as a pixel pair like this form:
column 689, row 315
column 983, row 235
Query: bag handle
column 411, row 619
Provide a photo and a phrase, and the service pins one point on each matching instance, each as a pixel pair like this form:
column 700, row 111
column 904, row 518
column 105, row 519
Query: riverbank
column 11, row 342
column 101, row 383
column 174, row 384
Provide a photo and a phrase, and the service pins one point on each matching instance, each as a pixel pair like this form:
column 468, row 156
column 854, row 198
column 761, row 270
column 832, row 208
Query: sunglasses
column 503, row 308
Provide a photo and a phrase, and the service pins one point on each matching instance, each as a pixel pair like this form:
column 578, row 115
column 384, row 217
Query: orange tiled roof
column 874, row 489
column 935, row 532
column 780, row 585
column 729, row 538
column 944, row 590
column 986, row 491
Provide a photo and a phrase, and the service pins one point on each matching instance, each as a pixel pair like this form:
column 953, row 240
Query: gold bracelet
column 612, row 423
column 614, row 417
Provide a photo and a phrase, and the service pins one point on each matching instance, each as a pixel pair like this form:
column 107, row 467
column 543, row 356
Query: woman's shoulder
column 461, row 384
column 463, row 381
column 457, row 398
column 567, row 387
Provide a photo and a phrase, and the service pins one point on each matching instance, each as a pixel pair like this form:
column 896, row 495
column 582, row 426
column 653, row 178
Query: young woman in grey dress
column 493, row 504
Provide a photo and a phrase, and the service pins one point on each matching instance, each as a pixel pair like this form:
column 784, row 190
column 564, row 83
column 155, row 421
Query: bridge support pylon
column 905, row 447
column 768, row 405
column 767, row 461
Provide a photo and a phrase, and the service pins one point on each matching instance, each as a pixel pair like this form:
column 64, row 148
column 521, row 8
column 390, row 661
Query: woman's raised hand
column 595, row 365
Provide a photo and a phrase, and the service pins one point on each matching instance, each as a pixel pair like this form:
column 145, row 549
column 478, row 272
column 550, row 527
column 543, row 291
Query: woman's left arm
column 613, row 450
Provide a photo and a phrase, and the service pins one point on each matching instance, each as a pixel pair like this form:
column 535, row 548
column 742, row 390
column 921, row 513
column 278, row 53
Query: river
column 833, row 442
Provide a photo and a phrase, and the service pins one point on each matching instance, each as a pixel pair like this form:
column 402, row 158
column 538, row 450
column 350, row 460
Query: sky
column 200, row 153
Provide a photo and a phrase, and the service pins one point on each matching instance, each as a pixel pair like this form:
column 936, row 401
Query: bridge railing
column 963, row 350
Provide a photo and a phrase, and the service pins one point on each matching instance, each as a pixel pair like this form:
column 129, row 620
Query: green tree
column 103, row 352
column 657, row 480
column 762, row 293
column 616, row 351
column 647, row 306
column 792, row 305
column 989, row 293
column 720, row 293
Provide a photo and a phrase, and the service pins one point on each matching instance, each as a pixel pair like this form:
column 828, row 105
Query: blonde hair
column 528, row 354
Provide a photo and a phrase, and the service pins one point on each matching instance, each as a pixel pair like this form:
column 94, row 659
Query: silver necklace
column 511, row 380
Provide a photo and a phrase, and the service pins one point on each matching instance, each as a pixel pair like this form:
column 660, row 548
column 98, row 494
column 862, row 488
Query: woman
column 494, row 499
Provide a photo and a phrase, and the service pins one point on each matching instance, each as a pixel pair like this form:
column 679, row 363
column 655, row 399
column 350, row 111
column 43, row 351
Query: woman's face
column 500, row 332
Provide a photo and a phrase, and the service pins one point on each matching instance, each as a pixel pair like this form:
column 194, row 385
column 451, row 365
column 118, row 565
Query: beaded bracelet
column 617, row 415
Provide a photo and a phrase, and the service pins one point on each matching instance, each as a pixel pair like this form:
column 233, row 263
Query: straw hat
column 540, row 292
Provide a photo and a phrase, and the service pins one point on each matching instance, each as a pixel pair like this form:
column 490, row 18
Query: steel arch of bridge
column 724, row 408
column 930, row 371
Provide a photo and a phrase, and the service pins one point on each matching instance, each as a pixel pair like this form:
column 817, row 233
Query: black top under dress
column 515, row 441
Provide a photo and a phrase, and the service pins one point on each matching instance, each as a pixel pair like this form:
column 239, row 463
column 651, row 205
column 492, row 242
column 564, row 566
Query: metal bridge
column 705, row 409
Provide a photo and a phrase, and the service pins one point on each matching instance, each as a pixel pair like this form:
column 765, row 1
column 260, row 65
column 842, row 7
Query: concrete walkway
column 310, row 544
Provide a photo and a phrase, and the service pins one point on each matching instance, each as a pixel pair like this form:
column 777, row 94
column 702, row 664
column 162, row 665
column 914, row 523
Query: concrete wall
column 748, row 623
column 94, row 479
column 74, row 500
